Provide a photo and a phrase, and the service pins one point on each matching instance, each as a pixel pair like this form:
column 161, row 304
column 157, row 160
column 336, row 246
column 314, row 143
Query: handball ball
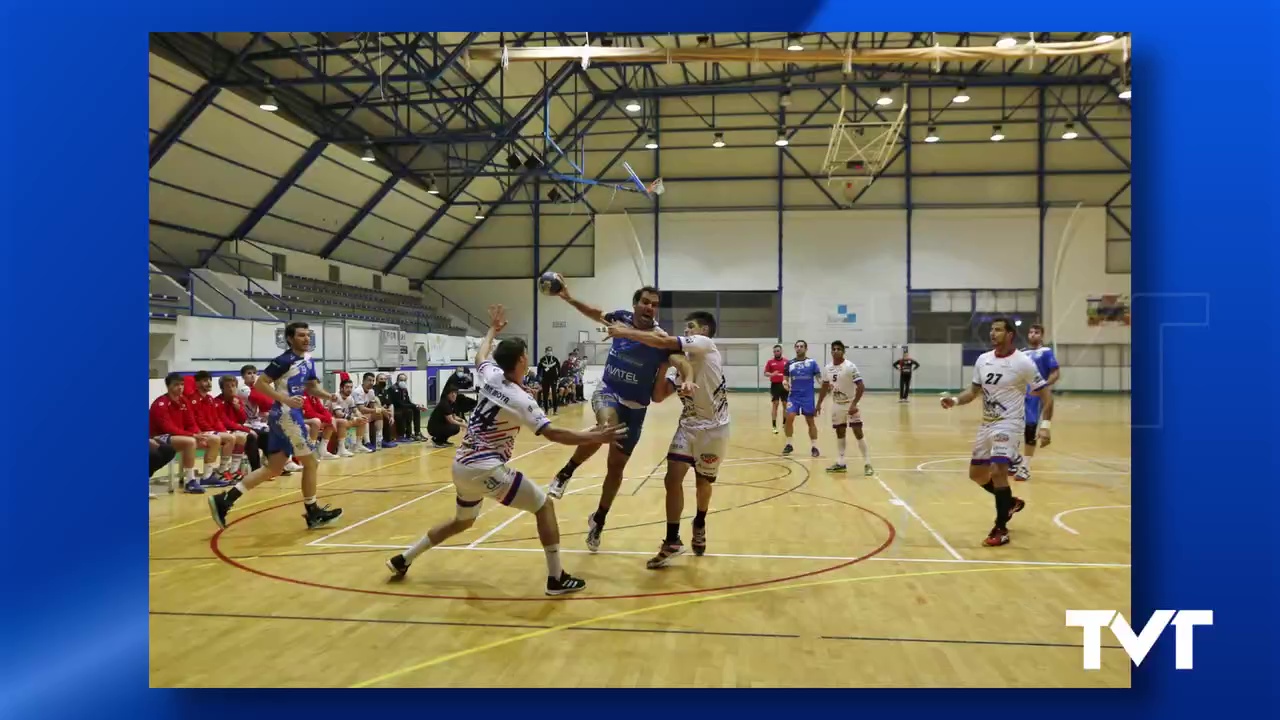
column 551, row 283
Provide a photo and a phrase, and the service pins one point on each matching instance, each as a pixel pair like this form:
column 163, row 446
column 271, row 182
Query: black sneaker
column 398, row 566
column 699, row 543
column 219, row 506
column 788, row 449
column 593, row 532
column 665, row 553
column 564, row 584
column 1018, row 505
column 317, row 516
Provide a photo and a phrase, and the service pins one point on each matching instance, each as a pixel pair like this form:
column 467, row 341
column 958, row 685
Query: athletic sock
column 309, row 502
column 673, row 533
column 601, row 514
column 191, row 474
column 841, row 444
column 423, row 545
column 237, row 461
column 568, row 469
column 1004, row 503
column 553, row 561
column 234, row 493
column 866, row 453
column 989, row 487
column 700, row 520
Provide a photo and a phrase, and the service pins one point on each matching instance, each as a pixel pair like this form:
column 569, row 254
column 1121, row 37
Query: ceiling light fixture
column 719, row 141
column 1104, row 38
column 1007, row 41
column 795, row 43
column 932, row 137
column 886, row 98
column 653, row 142
column 997, row 133
column 1069, row 132
column 961, row 96
column 782, row 140
column 633, row 106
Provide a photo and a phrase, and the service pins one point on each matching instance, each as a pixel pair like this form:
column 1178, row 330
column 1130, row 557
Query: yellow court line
column 201, row 565
column 441, row 659
column 319, row 485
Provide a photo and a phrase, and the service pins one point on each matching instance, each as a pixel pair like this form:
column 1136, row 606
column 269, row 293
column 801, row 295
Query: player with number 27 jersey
column 1004, row 382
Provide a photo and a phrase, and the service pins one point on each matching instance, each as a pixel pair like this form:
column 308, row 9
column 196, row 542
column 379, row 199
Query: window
column 738, row 314
column 335, row 274
column 377, row 281
column 1119, row 256
column 278, row 263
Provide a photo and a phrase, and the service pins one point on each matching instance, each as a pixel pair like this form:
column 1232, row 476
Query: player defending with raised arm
column 623, row 397
column 842, row 379
column 1001, row 377
column 702, row 436
column 480, row 464
column 285, row 380
column 801, row 374
column 1047, row 363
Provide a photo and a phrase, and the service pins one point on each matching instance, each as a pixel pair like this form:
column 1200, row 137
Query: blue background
column 75, row 201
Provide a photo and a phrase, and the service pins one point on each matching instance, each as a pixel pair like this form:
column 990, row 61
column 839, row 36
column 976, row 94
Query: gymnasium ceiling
column 454, row 137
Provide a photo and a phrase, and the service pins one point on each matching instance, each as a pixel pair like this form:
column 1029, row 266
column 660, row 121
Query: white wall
column 989, row 249
column 721, row 251
column 1075, row 270
column 857, row 259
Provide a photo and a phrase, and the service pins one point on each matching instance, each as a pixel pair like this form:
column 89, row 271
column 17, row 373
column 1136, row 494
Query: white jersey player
column 1001, row 377
column 480, row 465
column 702, row 435
column 843, row 382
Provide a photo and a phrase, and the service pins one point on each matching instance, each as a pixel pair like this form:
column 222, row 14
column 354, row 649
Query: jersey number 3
column 994, row 378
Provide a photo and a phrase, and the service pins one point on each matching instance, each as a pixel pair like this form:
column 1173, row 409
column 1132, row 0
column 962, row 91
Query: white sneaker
column 345, row 453
column 362, row 449
column 292, row 466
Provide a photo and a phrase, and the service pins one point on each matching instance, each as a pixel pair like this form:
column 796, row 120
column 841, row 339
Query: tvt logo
column 1137, row 646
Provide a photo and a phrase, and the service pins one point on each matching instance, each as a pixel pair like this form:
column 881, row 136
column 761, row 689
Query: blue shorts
column 1033, row 410
column 632, row 418
column 800, row 404
column 287, row 432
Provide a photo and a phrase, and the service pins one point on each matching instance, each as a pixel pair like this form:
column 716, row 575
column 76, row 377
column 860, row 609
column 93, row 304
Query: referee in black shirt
column 548, row 382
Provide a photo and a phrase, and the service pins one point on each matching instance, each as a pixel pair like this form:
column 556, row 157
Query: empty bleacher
column 307, row 296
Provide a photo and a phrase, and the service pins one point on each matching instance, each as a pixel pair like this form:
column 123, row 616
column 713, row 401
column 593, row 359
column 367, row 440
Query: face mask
column 403, row 383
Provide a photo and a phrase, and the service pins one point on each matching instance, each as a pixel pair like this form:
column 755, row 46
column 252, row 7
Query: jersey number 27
column 994, row 378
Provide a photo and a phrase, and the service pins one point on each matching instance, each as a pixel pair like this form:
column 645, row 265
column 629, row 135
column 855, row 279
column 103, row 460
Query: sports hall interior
column 893, row 191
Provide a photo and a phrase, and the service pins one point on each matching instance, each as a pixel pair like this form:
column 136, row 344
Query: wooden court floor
column 809, row 579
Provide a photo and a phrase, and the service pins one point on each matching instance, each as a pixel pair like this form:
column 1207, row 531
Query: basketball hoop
column 859, row 151
column 655, row 188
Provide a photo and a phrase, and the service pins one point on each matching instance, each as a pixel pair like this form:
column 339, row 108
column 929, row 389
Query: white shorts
column 999, row 442
column 497, row 481
column 703, row 449
column 841, row 416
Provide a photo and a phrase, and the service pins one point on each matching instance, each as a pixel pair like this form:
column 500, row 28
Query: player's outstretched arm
column 590, row 311
column 659, row 340
column 601, row 436
column 497, row 321
column 267, row 386
column 685, row 368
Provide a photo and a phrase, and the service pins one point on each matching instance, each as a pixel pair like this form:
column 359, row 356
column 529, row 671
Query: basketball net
column 859, row 151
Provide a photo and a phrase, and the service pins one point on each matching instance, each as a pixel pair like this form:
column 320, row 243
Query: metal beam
column 196, row 104
column 590, row 221
column 565, row 72
column 359, row 216
column 282, row 186
column 807, row 174
column 1100, row 138
column 519, row 182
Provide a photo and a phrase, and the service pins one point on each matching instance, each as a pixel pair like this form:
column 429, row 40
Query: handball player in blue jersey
column 802, row 375
column 623, row 396
column 285, row 380
column 1042, row 355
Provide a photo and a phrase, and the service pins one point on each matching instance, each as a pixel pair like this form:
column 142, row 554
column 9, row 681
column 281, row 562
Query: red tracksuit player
column 209, row 420
column 174, row 424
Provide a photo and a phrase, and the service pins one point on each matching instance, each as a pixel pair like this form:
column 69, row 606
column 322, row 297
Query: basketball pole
column 1064, row 241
